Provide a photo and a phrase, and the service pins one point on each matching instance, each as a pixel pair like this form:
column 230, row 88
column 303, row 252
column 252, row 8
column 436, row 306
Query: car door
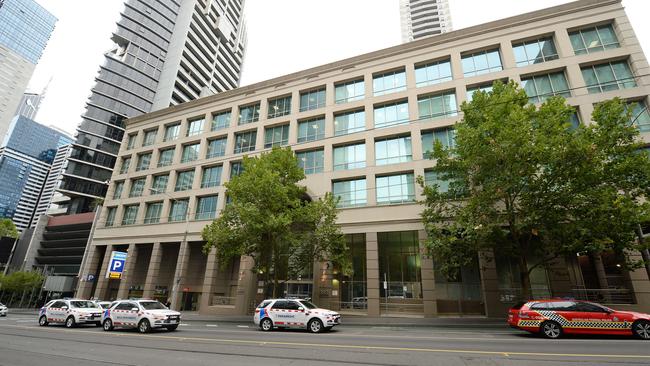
column 597, row 319
column 56, row 312
column 278, row 313
column 132, row 315
column 120, row 313
column 296, row 313
column 562, row 313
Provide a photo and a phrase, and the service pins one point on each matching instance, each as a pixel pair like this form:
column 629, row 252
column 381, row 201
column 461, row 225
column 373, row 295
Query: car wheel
column 641, row 329
column 551, row 329
column 172, row 328
column 42, row 321
column 144, row 326
column 108, row 325
column 266, row 324
column 315, row 326
column 69, row 322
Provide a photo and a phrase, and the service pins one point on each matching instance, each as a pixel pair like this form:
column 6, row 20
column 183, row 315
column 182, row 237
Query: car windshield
column 308, row 305
column 83, row 304
column 152, row 305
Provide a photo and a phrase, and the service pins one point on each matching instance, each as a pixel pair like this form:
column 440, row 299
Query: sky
column 284, row 36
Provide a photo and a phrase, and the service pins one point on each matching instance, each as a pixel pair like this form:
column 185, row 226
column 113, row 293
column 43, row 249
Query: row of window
column 589, row 39
column 206, row 209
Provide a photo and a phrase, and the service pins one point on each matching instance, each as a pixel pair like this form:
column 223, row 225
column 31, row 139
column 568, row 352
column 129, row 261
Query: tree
column 271, row 219
column 20, row 281
column 527, row 184
column 8, row 229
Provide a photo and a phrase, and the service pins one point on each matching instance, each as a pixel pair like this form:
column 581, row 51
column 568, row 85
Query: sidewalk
column 359, row 320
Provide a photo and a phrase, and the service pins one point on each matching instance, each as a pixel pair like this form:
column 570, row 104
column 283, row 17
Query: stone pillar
column 246, row 285
column 490, row 285
column 428, row 279
column 372, row 274
column 85, row 287
column 102, row 281
column 180, row 274
column 640, row 286
column 209, row 280
column 152, row 271
column 559, row 277
column 127, row 274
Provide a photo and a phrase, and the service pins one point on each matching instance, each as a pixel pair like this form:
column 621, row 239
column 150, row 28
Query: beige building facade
column 361, row 128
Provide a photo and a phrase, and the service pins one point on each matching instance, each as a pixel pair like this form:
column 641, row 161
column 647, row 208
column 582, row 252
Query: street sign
column 116, row 265
column 90, row 277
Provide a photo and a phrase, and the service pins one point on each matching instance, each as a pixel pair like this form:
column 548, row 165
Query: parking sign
column 116, row 265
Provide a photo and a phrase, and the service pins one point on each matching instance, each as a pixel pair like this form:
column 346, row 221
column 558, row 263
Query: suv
column 70, row 312
column 3, row 309
column 294, row 313
column 142, row 314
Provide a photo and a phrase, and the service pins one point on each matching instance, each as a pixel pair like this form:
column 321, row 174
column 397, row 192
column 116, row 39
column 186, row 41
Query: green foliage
column 271, row 219
column 533, row 187
column 21, row 281
column 8, row 229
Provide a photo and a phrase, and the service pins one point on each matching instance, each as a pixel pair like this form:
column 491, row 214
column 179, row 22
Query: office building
column 424, row 18
column 165, row 52
column 361, row 128
column 25, row 28
column 29, row 104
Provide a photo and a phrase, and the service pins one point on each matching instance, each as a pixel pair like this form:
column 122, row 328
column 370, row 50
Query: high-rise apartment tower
column 424, row 18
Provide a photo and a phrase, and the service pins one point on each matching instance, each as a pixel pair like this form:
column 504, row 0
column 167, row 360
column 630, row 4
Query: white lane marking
column 210, row 325
column 183, row 324
column 26, row 321
column 242, row 326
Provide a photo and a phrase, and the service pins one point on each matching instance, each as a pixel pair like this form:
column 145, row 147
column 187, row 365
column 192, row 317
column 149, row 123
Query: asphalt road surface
column 23, row 342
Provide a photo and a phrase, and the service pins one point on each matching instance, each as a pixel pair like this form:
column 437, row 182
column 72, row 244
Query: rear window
column 263, row 304
column 83, row 304
column 539, row 306
column 518, row 305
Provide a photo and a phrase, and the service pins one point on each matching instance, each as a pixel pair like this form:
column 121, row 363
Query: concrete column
column 428, row 279
column 127, row 274
column 85, row 287
column 209, row 280
column 246, row 286
column 640, row 286
column 490, row 285
column 180, row 274
column 600, row 271
column 102, row 281
column 152, row 271
column 559, row 277
column 372, row 274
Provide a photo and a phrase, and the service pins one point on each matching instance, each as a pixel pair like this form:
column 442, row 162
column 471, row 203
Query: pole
column 11, row 256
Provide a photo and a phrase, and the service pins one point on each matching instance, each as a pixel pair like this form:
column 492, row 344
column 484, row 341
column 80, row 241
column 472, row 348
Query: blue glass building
column 25, row 28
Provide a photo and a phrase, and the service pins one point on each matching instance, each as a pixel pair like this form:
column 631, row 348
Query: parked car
column 294, row 313
column 3, row 309
column 144, row 315
column 70, row 312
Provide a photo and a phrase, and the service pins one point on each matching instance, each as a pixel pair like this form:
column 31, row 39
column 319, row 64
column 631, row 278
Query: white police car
column 70, row 312
column 294, row 313
column 3, row 309
column 142, row 314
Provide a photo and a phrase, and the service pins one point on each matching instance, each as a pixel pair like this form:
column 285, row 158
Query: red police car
column 553, row 318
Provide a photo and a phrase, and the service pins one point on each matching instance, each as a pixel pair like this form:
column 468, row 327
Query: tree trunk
column 524, row 277
column 644, row 252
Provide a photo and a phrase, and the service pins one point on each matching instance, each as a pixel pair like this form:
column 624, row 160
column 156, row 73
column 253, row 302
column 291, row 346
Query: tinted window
column 58, row 304
column 561, row 305
column 263, row 304
column 280, row 305
column 539, row 306
column 588, row 307
column 152, row 305
column 308, row 305
column 125, row 306
column 292, row 305
column 83, row 304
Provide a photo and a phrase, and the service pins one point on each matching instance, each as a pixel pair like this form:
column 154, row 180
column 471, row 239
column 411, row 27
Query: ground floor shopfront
column 390, row 277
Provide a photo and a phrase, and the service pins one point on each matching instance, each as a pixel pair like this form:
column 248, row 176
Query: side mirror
column 64, row 307
column 134, row 309
column 300, row 308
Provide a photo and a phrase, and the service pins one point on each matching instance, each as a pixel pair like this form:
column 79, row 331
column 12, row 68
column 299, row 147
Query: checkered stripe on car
column 602, row 325
column 529, row 323
column 552, row 315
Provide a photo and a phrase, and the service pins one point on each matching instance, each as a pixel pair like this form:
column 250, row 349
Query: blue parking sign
column 116, row 265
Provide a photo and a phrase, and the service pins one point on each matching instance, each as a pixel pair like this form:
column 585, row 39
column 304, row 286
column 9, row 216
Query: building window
column 178, row 210
column 220, row 121
column 190, row 152
column 312, row 99
column 534, row 51
column 130, row 214
column 311, row 129
column 431, row 178
column 311, row 162
column 143, row 162
column 393, row 150
column 608, row 76
column 236, row 168
column 217, row 147
column 433, row 73
column 389, row 82
column 159, row 184
column 126, row 162
column 441, row 105
column 279, row 107
column 119, row 187
column 149, row 137
column 593, row 39
column 446, row 136
column 482, row 62
column 172, row 131
column 131, row 141
column 211, row 176
column 349, row 91
column 276, row 136
column 350, row 192
column 245, row 141
column 392, row 189
column 391, row 114
column 249, row 114
column 206, row 208
column 137, row 186
column 166, row 157
column 110, row 216
column 350, row 157
column 349, row 122
column 184, row 180
column 486, row 88
column 153, row 212
column 640, row 115
column 195, row 127
column 541, row 87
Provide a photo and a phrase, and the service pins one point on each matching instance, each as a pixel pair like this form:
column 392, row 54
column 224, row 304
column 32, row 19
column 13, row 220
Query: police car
column 142, row 314
column 294, row 313
column 70, row 312
column 553, row 318
column 3, row 310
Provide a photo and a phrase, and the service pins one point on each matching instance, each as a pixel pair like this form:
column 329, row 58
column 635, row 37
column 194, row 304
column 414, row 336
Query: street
column 23, row 342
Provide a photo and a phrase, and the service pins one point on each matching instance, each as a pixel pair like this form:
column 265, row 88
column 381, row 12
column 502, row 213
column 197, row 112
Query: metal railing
column 606, row 296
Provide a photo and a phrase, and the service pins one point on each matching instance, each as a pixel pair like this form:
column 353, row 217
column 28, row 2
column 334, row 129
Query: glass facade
column 608, row 76
column 25, row 28
column 541, row 87
column 245, row 141
column 481, row 62
column 166, row 157
column 593, row 39
column 354, row 287
column 159, row 184
column 276, row 136
column 311, row 162
column 446, row 136
column 34, row 139
column 534, row 51
column 190, row 153
column 393, row 150
column 431, row 73
column 279, row 107
column 236, row 168
column 137, row 187
column 349, row 122
column 178, row 210
column 350, row 156
column 389, row 82
column 130, row 214
column 217, row 147
column 149, row 137
column 391, row 114
column 211, row 176
column 312, row 99
column 110, row 216
column 350, row 192
column 311, row 129
column 206, row 208
column 117, row 192
column 172, row 132
column 131, row 139
column 431, row 178
column 400, row 266
column 640, row 115
column 184, row 180
column 441, row 105
column 195, row 127
column 249, row 114
column 220, row 121
column 126, row 163
column 349, row 91
column 392, row 189
column 486, row 88
column 153, row 212
column 143, row 162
